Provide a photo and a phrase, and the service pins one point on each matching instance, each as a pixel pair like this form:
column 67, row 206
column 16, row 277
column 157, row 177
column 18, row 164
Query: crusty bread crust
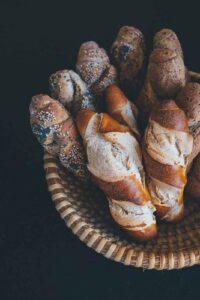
column 128, row 189
column 172, row 175
column 115, row 98
column 108, row 124
column 169, row 115
column 121, row 109
column 150, row 232
column 83, row 119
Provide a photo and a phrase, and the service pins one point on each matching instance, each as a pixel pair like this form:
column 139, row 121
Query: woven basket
column 84, row 209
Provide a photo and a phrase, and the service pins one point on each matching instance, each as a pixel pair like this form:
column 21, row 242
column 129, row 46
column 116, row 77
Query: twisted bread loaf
column 188, row 99
column 167, row 147
column 93, row 65
column 56, row 132
column 166, row 73
column 67, row 87
column 121, row 109
column 128, row 53
column 115, row 162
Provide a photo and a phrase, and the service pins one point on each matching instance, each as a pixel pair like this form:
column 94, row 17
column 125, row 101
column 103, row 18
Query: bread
column 193, row 185
column 67, row 87
column 167, row 146
column 121, row 109
column 115, row 163
column 128, row 55
column 167, row 39
column 166, row 73
column 188, row 100
column 55, row 129
column 93, row 65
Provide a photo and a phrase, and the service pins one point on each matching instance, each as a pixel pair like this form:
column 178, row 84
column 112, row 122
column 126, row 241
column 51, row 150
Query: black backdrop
column 41, row 258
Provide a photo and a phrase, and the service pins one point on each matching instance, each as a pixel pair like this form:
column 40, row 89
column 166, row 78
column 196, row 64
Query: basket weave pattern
column 84, row 209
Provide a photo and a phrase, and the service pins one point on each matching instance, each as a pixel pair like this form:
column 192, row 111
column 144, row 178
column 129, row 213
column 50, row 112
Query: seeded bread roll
column 93, row 66
column 55, row 130
column 67, row 87
column 167, row 147
column 115, row 163
column 166, row 73
column 128, row 54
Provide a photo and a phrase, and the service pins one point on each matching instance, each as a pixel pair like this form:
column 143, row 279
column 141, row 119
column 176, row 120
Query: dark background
column 39, row 257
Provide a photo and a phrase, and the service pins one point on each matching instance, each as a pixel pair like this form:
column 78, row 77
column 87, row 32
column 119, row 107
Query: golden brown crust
column 115, row 98
column 83, row 119
column 179, row 216
column 149, row 233
column 162, row 211
column 108, row 124
column 169, row 115
column 172, row 175
column 121, row 109
column 127, row 189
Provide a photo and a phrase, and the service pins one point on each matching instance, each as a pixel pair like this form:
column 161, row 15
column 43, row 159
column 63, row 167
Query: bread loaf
column 56, row 131
column 128, row 55
column 115, row 162
column 167, row 147
column 166, row 73
column 93, row 65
